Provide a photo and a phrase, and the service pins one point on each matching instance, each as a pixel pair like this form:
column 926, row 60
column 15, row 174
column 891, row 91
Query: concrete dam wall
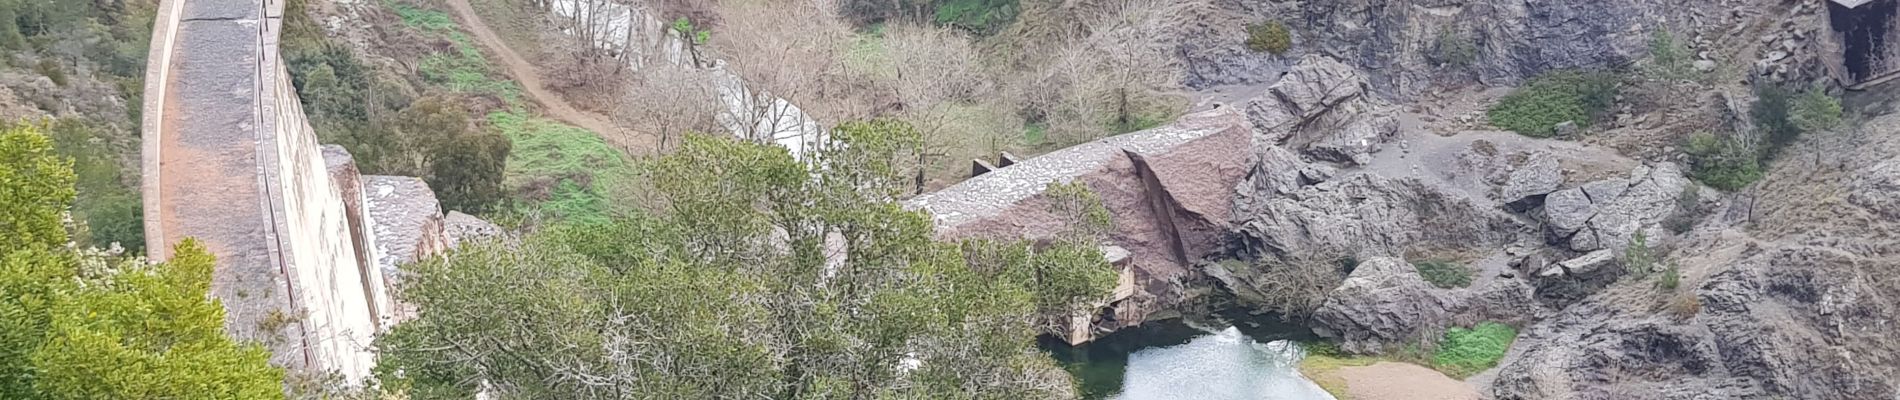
column 229, row 160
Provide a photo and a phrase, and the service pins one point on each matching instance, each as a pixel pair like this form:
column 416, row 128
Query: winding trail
column 529, row 77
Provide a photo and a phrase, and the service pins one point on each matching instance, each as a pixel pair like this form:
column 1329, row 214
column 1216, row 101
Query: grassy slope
column 554, row 169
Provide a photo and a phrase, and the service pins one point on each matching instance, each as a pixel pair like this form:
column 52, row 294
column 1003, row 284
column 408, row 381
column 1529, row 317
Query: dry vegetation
column 1060, row 73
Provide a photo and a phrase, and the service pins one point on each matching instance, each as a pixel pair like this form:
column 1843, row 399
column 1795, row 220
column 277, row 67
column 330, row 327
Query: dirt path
column 1402, row 381
column 529, row 77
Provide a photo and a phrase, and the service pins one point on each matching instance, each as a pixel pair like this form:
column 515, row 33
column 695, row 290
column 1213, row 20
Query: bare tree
column 785, row 50
column 937, row 79
column 669, row 101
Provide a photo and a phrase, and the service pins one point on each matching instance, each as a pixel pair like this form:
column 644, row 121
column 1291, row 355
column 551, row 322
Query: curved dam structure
column 230, row 161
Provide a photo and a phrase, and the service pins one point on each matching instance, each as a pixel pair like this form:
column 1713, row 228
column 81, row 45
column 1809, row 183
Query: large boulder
column 1383, row 302
column 1369, row 215
column 1605, row 214
column 1508, row 176
column 1322, row 107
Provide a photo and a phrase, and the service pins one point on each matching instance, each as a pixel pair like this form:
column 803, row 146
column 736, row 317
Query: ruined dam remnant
column 229, row 159
column 1170, row 190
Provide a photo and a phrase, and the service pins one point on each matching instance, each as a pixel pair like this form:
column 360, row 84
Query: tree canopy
column 761, row 276
column 83, row 324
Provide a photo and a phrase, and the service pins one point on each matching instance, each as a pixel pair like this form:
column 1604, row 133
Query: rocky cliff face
column 1791, row 295
column 1407, row 46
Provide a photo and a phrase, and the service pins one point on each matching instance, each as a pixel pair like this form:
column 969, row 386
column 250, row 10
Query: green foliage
column 1443, row 273
column 1671, row 277
column 1035, row 134
column 559, row 169
column 427, row 20
column 685, row 27
column 463, row 69
column 1771, row 114
column 1723, row 163
column 1270, row 36
column 979, row 16
column 1466, row 352
column 385, row 128
column 51, row 69
column 464, row 166
column 1454, row 49
column 1080, row 208
column 1136, row 122
column 1536, row 108
column 1815, row 111
column 758, row 279
column 149, row 332
column 1668, row 59
column 1781, row 115
column 36, row 186
column 1688, row 210
column 81, row 325
column 340, row 95
column 107, row 209
column 1639, row 259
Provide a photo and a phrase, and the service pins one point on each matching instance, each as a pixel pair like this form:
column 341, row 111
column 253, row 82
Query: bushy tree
column 1551, row 99
column 761, row 277
column 1270, row 36
column 84, row 325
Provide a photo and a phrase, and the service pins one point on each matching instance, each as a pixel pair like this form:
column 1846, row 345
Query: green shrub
column 1454, row 50
column 1270, row 36
column 1668, row 59
column 685, row 27
column 980, row 16
column 1815, row 111
column 1444, row 274
column 1466, row 352
column 1773, row 105
column 1536, row 108
column 1723, row 163
column 1638, row 259
column 1671, row 278
column 1688, row 210
column 52, row 70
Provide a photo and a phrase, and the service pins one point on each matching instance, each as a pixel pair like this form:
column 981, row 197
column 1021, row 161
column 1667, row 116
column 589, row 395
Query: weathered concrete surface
column 1170, row 191
column 230, row 160
column 408, row 225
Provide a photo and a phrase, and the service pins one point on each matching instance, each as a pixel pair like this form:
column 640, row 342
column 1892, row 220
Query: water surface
column 1177, row 360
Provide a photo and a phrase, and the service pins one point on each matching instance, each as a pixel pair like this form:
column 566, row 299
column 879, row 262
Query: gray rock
column 1510, row 176
column 464, row 228
column 1369, row 215
column 1590, row 263
column 1704, row 65
column 1356, row 142
column 1384, row 301
column 1606, row 213
column 1515, row 39
column 1565, row 129
column 1321, row 107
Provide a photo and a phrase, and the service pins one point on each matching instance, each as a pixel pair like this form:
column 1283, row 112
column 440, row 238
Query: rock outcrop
column 1383, row 301
column 1371, row 215
column 1288, row 205
column 1606, row 214
column 1323, row 108
column 1509, row 177
column 1792, row 297
column 1410, row 46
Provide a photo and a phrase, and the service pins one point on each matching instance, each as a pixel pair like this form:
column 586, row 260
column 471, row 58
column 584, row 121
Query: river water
column 1177, row 360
